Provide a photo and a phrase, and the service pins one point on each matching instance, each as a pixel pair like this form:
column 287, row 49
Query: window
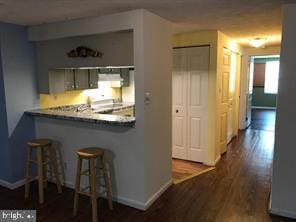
column 271, row 77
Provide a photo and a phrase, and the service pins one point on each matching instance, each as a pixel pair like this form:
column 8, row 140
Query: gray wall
column 117, row 49
column 18, row 67
column 283, row 197
column 5, row 169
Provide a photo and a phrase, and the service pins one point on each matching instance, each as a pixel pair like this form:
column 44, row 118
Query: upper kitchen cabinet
column 81, row 79
column 93, row 78
column 125, row 75
column 69, row 79
column 61, row 80
column 116, row 49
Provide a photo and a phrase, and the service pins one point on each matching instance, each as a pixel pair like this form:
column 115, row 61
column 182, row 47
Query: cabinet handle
column 77, row 86
column 91, row 85
column 72, row 86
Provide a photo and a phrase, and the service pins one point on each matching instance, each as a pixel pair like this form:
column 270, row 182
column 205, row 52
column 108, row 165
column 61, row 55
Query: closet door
column 197, row 102
column 190, row 102
column 179, row 104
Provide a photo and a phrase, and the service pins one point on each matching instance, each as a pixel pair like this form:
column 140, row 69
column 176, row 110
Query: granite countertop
column 86, row 114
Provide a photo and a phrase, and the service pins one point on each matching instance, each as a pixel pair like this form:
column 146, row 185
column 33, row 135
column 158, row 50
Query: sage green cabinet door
column 93, row 78
column 81, row 79
column 69, row 80
column 56, row 81
column 125, row 75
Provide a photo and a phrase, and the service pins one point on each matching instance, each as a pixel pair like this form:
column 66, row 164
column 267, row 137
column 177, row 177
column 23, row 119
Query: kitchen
column 108, row 91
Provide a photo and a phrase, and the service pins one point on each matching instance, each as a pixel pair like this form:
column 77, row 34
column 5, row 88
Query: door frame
column 245, row 73
column 205, row 121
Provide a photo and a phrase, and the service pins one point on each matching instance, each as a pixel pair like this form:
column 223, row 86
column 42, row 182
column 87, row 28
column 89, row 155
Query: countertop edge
column 84, row 119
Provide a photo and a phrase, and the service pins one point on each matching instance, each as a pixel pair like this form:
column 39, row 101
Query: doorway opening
column 263, row 86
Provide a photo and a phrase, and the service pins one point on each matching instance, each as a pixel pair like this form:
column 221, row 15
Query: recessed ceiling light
column 257, row 42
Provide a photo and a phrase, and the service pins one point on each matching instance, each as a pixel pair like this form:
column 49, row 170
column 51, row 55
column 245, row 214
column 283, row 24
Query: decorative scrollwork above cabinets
column 84, row 52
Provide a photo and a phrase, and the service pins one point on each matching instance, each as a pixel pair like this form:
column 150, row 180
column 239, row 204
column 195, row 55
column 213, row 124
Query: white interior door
column 224, row 100
column 232, row 90
column 179, row 104
column 190, row 103
column 197, row 101
column 250, row 92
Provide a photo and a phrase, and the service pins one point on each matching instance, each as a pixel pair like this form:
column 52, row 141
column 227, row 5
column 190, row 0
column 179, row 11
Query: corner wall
column 5, row 168
column 158, row 118
column 283, row 195
column 18, row 66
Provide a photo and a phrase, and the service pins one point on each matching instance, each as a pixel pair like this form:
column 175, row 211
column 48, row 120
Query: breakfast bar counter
column 85, row 114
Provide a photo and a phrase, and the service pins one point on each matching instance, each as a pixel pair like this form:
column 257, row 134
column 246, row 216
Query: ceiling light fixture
column 257, row 42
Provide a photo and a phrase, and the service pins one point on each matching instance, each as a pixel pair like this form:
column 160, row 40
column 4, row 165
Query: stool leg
column 44, row 158
column 28, row 169
column 54, row 162
column 77, row 186
column 89, row 180
column 40, row 175
column 93, row 189
column 107, row 183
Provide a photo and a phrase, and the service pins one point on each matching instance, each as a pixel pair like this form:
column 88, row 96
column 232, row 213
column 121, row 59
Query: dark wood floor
column 237, row 191
column 263, row 119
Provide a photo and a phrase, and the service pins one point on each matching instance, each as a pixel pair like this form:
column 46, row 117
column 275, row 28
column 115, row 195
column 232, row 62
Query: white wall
column 142, row 154
column 158, row 113
column 283, row 197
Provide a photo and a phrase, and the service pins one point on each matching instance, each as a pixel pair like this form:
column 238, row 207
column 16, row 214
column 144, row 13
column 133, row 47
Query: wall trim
column 156, row 195
column 12, row 186
column 263, row 107
column 213, row 163
column 119, row 199
column 283, row 213
column 132, row 203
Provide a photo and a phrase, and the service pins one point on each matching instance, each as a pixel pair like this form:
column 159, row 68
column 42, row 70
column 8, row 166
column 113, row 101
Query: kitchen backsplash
column 78, row 97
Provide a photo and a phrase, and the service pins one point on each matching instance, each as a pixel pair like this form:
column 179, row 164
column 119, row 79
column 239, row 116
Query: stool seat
column 39, row 142
column 90, row 152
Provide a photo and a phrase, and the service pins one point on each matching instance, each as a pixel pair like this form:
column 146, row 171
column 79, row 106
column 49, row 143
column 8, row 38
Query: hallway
column 237, row 191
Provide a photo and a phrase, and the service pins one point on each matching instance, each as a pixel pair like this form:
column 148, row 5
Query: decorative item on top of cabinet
column 84, row 52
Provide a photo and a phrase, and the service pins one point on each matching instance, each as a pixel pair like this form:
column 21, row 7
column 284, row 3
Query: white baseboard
column 122, row 200
column 156, row 195
column 132, row 203
column 12, row 186
column 218, row 159
column 280, row 212
column 263, row 107
column 213, row 163
column 283, row 213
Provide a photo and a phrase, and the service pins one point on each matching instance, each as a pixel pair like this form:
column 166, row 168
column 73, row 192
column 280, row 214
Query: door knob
column 177, row 111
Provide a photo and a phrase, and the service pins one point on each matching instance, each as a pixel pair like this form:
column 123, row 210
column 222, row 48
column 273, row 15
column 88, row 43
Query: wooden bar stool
column 92, row 154
column 46, row 157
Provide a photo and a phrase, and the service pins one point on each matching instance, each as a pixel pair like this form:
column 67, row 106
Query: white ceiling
column 239, row 19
